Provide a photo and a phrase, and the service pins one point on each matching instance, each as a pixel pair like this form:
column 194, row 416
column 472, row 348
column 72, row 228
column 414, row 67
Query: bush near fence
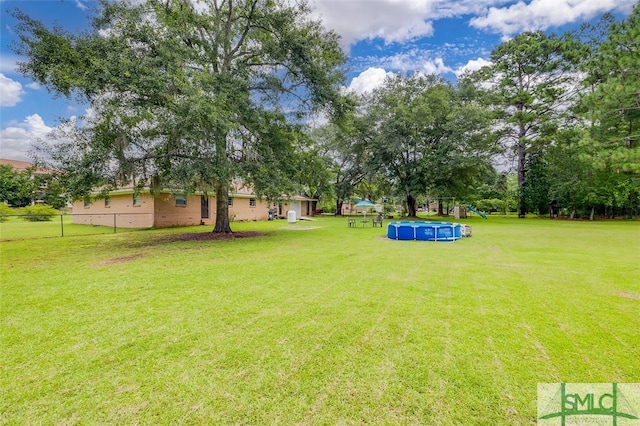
column 38, row 213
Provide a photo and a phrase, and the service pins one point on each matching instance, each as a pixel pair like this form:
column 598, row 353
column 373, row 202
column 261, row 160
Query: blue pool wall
column 424, row 231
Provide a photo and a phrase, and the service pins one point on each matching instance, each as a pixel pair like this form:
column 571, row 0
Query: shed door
column 296, row 205
column 204, row 207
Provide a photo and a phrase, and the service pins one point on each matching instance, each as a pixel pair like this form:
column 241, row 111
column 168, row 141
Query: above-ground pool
column 425, row 231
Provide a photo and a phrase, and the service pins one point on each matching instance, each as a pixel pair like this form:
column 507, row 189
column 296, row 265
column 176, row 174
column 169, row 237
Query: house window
column 252, row 202
column 107, row 202
column 229, row 201
column 87, row 202
column 136, row 200
column 181, row 201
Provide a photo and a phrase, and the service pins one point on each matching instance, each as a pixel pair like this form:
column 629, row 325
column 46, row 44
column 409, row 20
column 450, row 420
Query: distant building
column 21, row 166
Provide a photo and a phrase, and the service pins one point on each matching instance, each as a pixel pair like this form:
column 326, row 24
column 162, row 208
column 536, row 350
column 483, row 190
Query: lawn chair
column 351, row 222
column 377, row 221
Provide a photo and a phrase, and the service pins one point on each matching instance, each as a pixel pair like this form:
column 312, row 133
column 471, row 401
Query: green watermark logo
column 572, row 404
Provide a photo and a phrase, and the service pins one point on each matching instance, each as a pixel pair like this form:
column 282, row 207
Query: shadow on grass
column 197, row 236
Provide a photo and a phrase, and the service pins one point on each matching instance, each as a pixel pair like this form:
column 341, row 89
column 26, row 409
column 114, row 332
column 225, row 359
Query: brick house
column 124, row 208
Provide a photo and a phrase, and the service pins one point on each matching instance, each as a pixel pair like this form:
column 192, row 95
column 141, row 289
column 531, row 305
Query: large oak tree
column 188, row 94
column 424, row 136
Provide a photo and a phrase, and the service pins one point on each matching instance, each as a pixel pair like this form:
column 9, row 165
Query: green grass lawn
column 328, row 325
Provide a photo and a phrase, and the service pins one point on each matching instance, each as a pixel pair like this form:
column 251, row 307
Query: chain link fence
column 17, row 227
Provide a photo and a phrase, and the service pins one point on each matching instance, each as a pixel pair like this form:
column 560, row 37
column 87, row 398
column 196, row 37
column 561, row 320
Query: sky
column 380, row 37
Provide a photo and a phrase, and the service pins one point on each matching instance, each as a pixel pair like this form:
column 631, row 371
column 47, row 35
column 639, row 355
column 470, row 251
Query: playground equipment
column 478, row 212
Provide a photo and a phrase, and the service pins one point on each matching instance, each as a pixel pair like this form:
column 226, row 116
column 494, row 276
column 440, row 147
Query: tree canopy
column 532, row 82
column 25, row 187
column 424, row 136
column 194, row 95
column 188, row 94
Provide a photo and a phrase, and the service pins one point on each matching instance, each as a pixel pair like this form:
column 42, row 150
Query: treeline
column 565, row 109
column 195, row 98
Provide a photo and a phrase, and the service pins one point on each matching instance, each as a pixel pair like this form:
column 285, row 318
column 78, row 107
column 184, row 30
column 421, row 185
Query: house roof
column 21, row 166
column 237, row 189
column 234, row 194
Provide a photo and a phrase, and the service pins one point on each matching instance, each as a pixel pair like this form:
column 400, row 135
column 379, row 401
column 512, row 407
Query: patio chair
column 377, row 221
column 351, row 222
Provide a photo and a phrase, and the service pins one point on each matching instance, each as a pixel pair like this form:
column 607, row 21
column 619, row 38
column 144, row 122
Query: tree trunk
column 440, row 208
column 522, row 208
column 339, row 207
column 411, row 206
column 222, row 225
column 592, row 213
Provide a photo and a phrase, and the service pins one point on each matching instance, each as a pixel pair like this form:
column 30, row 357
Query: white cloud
column 409, row 61
column 18, row 139
column 404, row 20
column 436, row 66
column 449, row 9
column 391, row 20
column 34, row 86
column 81, row 5
column 8, row 63
column 472, row 65
column 368, row 80
column 10, row 91
column 544, row 14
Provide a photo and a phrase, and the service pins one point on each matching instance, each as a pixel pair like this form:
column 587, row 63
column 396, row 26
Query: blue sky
column 380, row 37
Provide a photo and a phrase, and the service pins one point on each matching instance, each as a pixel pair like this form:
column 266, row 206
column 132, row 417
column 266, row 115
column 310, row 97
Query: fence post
column 114, row 223
column 61, row 226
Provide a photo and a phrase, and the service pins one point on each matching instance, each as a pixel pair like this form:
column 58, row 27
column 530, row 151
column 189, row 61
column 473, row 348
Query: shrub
column 490, row 205
column 38, row 213
column 493, row 205
column 5, row 211
column 327, row 206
